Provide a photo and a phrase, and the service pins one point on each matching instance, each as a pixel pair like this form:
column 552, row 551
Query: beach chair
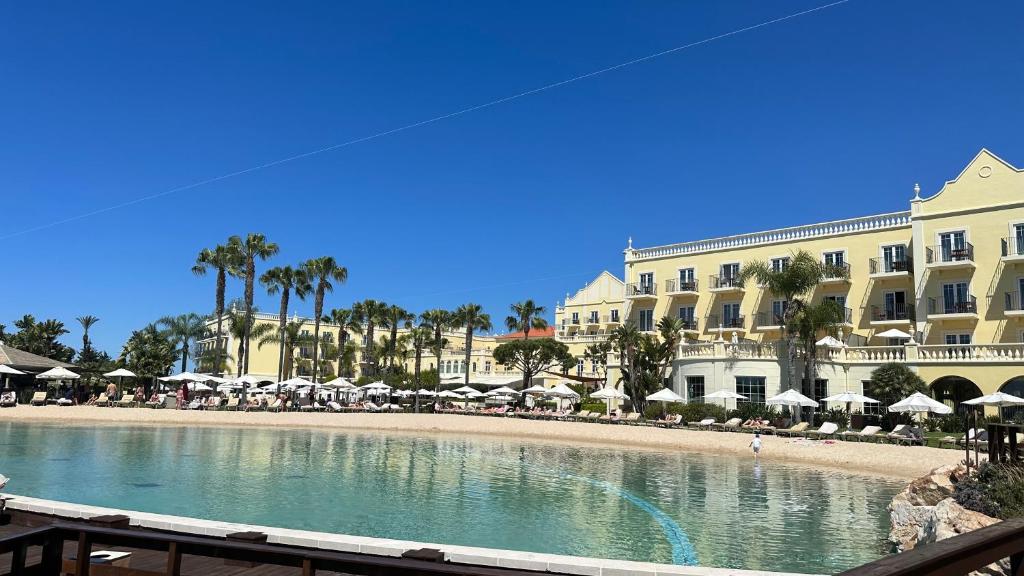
column 277, row 406
column 232, row 403
column 794, row 430
column 731, row 424
column 371, row 407
column 126, row 401
column 577, row 416
column 704, row 424
column 102, row 400
column 333, row 406
column 633, row 418
column 826, row 430
column 39, row 399
column 906, row 435
column 869, row 434
column 669, row 422
column 593, row 416
column 8, row 400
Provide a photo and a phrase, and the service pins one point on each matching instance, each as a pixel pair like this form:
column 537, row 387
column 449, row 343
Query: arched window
column 953, row 391
column 1013, row 387
column 474, row 367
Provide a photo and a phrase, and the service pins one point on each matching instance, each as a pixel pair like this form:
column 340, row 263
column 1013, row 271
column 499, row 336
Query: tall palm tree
column 284, row 279
column 437, row 321
column 321, row 273
column 290, row 339
column 813, row 319
column 790, row 282
column 420, row 337
column 238, row 329
column 395, row 317
column 626, row 341
column 471, row 317
column 254, row 247
column 526, row 315
column 371, row 313
column 224, row 260
column 348, row 323
column 184, row 329
column 87, row 322
column 670, row 329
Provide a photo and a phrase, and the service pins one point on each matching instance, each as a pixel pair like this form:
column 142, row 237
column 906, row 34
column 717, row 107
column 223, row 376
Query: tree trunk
column 184, row 354
column 342, row 340
column 250, row 274
column 416, row 367
column 438, row 340
column 282, row 320
column 371, row 360
column 469, row 349
column 318, row 308
column 221, row 282
column 393, row 345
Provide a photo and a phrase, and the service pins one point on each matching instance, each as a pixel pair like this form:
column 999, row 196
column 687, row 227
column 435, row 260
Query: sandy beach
column 902, row 462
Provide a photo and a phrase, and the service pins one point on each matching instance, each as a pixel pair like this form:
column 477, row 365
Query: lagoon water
column 499, row 493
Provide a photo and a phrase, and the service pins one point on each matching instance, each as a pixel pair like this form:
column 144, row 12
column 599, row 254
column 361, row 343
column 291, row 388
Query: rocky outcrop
column 926, row 512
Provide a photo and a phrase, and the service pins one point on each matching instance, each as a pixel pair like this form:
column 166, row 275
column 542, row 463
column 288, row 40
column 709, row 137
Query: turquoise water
column 497, row 493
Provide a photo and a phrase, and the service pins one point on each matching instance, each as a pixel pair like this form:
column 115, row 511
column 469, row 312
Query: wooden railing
column 426, row 562
column 955, row 556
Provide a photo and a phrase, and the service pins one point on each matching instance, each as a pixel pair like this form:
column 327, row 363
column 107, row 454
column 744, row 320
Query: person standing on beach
column 756, row 444
column 111, row 392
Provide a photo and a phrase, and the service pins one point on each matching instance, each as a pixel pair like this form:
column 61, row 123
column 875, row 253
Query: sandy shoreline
column 900, row 462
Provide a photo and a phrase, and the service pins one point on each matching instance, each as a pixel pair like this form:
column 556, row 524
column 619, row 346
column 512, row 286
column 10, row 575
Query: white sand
column 902, row 462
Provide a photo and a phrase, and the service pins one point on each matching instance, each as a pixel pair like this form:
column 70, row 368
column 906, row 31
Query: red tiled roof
column 548, row 332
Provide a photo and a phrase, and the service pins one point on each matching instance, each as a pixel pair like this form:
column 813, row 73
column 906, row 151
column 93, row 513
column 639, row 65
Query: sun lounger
column 8, row 400
column 333, row 406
column 730, row 424
column 277, row 406
column 670, row 422
column 633, row 418
column 102, row 400
column 909, row 435
column 794, row 430
column 576, row 416
column 64, row 402
column 704, row 424
column 869, row 433
column 232, row 403
column 126, row 401
column 826, row 430
column 593, row 416
column 371, row 407
column 38, row 399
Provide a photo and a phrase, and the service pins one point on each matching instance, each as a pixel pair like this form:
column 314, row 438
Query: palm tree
column 347, row 323
column 289, row 340
column 87, row 322
column 793, row 280
column 395, row 317
column 224, row 260
column 471, row 317
column 238, row 329
column 371, row 314
column 438, row 321
column 254, row 247
column 670, row 329
column 813, row 319
column 184, row 329
column 284, row 279
column 347, row 356
column 420, row 338
column 526, row 315
column 626, row 340
column 321, row 272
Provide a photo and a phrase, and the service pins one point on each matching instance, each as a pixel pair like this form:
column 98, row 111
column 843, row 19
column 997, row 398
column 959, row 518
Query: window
column 646, row 322
column 1016, row 247
column 730, row 270
column 839, row 300
column 695, row 389
column 778, row 312
column 731, row 315
column 820, row 389
column 837, row 259
column 474, row 367
column 780, row 264
column 686, row 280
column 953, row 246
column 894, row 258
column 593, row 316
column 579, row 367
column 328, row 337
column 487, row 367
column 753, row 387
column 646, row 283
column 615, row 315
column 956, row 298
column 895, row 306
column 686, row 313
column 875, row 409
column 305, row 332
column 962, row 339
column 575, row 317
column 462, row 367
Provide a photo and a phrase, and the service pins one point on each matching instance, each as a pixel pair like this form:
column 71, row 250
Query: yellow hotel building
column 950, row 271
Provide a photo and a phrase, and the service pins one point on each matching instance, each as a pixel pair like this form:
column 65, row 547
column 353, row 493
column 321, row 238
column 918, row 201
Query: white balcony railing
column 581, row 337
column 909, row 354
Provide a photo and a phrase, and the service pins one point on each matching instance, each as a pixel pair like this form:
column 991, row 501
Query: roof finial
column 917, row 191
column 629, row 246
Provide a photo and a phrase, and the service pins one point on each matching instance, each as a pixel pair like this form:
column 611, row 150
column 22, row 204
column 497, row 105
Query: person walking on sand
column 756, row 444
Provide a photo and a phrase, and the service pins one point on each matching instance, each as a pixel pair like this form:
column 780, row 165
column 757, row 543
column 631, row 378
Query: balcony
column 574, row 322
column 731, row 323
column 585, row 338
column 895, row 314
column 676, row 287
column 943, row 309
column 593, row 320
column 768, row 322
column 836, row 274
column 612, row 319
column 1013, row 305
column 641, row 291
column 725, row 284
column 689, row 324
column 888, row 268
column 1013, row 249
column 950, row 256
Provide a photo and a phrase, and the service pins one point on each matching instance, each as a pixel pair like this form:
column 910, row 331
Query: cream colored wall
column 860, row 291
column 603, row 294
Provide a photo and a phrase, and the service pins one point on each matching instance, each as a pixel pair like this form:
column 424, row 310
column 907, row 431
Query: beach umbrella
column 58, row 373
column 423, row 392
column 999, row 400
column 185, row 377
column 120, row 374
column 609, row 393
column 918, row 402
column 535, row 389
column 894, row 333
column 562, row 391
column 504, row 390
column 201, row 387
column 830, row 341
column 724, row 395
column 665, row 395
column 7, row 371
column 449, row 394
column 849, row 398
column 465, row 390
column 791, row 399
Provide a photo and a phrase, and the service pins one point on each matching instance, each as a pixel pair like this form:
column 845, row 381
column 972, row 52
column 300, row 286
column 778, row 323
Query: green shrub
column 594, row 407
column 995, row 490
column 949, row 423
column 747, row 411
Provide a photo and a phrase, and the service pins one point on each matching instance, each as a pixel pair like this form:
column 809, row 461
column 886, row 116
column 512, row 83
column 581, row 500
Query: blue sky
column 829, row 115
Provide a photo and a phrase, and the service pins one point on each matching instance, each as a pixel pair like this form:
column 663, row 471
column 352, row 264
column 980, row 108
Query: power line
column 374, row 136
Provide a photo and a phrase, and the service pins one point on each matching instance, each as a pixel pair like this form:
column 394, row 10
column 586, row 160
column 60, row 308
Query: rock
column 935, row 487
column 950, row 519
